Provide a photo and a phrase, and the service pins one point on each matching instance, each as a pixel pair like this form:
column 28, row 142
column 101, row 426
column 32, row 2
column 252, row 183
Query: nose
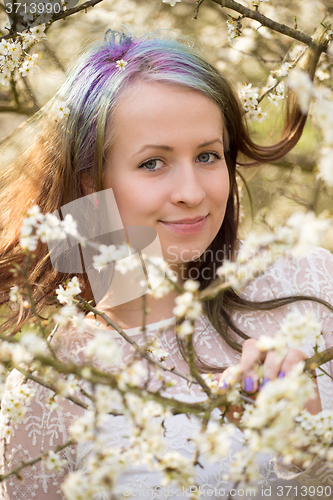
column 187, row 186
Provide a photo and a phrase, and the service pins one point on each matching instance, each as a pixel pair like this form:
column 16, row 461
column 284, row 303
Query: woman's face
column 166, row 166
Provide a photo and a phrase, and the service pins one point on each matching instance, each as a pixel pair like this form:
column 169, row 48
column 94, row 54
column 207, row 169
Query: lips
column 187, row 226
column 187, row 221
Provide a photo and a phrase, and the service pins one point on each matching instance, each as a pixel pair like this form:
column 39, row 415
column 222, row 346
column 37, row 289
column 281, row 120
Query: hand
column 273, row 367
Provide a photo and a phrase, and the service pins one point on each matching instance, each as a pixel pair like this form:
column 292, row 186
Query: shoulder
column 311, row 274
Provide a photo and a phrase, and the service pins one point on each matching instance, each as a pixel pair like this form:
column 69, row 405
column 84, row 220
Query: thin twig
column 265, row 21
column 74, row 10
column 320, row 358
column 29, row 463
column 56, row 17
column 196, row 11
column 40, row 381
column 191, row 362
column 325, row 372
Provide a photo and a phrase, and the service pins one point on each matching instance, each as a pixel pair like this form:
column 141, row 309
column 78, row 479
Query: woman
column 157, row 124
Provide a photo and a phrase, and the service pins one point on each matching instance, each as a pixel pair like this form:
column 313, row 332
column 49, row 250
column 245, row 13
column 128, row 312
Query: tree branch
column 265, row 21
column 84, row 6
column 191, row 362
column 41, row 382
column 62, row 15
column 138, row 349
column 318, row 359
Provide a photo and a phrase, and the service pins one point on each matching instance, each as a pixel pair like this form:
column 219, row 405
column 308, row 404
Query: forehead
column 155, row 107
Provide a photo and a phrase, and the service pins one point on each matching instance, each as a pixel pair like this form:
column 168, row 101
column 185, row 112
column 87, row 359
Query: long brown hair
column 48, row 173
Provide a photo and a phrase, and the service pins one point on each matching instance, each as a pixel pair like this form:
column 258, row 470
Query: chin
column 182, row 256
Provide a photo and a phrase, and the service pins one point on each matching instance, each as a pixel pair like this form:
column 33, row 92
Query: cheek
column 219, row 191
column 137, row 205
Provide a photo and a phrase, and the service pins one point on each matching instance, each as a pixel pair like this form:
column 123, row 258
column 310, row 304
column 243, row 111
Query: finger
column 251, row 356
column 272, row 367
column 230, row 376
column 292, row 357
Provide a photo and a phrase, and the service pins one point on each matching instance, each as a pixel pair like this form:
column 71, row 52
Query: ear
column 87, row 183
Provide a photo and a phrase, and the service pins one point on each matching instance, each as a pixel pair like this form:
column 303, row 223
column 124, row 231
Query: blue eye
column 205, row 157
column 150, row 165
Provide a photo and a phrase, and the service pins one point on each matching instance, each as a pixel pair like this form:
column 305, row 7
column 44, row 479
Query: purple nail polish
column 281, row 374
column 264, row 381
column 224, row 385
column 248, row 384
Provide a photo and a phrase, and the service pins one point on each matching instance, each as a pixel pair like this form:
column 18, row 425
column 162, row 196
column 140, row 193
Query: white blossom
column 69, row 225
column 13, row 293
column 68, row 386
column 107, row 399
column 276, row 95
column 16, row 403
column 278, row 343
column 284, row 69
column 325, row 165
column 53, row 403
column 157, row 351
column 62, row 111
column 128, row 264
column 298, row 328
column 76, row 486
column 132, row 375
column 29, row 65
column 187, row 305
column 176, row 466
column 308, row 230
column 160, row 276
column 66, row 295
column 215, row 443
column 121, row 64
column 234, row 27
column 172, row 2
column 112, row 253
column 73, row 286
column 249, row 96
column 300, row 81
column 104, row 349
column 33, row 343
column 38, row 31
column 191, row 285
column 84, row 428
column 66, row 314
column 53, row 461
column 186, row 328
column 81, row 326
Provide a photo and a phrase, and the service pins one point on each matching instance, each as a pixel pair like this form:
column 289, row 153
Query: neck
column 131, row 314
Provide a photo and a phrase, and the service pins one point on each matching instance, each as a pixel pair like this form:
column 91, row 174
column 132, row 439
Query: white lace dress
column 42, row 429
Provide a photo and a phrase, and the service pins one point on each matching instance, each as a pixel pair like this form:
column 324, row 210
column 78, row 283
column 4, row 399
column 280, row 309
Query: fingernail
column 248, row 384
column 224, row 385
column 281, row 374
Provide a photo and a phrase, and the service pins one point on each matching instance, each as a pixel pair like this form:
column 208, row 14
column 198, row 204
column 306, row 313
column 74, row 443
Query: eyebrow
column 168, row 148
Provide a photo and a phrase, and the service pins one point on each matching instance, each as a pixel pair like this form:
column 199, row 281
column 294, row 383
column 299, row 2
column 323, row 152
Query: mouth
column 186, row 226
